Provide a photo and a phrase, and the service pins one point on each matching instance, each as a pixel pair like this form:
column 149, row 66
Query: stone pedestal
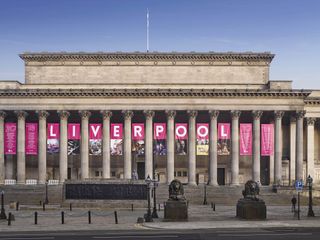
column 176, row 211
column 251, row 209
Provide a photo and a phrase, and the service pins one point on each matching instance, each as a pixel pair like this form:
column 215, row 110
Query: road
column 225, row 234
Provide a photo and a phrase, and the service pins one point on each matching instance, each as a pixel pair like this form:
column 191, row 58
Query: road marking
column 24, row 238
column 137, row 236
column 264, row 234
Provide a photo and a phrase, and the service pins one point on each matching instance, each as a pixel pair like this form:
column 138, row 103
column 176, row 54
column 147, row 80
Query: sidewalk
column 200, row 217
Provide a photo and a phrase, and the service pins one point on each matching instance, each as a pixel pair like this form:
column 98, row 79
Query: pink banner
column 95, row 131
column 116, row 131
column 223, row 130
column 74, row 131
column 137, row 131
column 159, row 131
column 245, row 139
column 31, row 139
column 267, row 139
column 181, row 131
column 10, row 138
column 202, row 131
column 53, row 131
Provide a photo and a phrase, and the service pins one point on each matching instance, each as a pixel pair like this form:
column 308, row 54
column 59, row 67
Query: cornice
column 151, row 56
column 312, row 101
column 141, row 92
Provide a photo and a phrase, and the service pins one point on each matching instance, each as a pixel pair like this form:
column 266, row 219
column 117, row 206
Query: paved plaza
column 200, row 217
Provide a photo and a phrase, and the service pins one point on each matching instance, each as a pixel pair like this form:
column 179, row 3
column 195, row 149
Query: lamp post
column 46, row 201
column 310, row 210
column 148, row 217
column 155, row 185
column 205, row 195
column 3, row 213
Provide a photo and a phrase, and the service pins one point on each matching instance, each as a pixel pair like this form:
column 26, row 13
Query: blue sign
column 299, row 185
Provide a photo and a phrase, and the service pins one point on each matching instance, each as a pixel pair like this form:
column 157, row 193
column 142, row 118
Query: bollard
column 9, row 219
column 214, row 207
column 62, row 217
column 89, row 217
column 115, row 217
column 70, row 206
column 43, row 207
column 159, row 208
column 35, row 218
column 40, row 203
column 17, row 206
column 132, row 207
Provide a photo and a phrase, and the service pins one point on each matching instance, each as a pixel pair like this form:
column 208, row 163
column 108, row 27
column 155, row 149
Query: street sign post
column 299, row 188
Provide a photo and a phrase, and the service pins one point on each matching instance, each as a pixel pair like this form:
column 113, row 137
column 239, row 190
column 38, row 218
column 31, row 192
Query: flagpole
column 147, row 30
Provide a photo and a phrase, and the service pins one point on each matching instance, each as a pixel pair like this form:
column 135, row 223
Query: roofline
column 147, row 56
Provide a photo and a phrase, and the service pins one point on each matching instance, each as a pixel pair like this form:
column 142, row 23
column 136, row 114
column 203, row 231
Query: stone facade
column 160, row 87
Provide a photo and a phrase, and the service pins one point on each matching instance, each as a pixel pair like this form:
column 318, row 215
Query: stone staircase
column 220, row 195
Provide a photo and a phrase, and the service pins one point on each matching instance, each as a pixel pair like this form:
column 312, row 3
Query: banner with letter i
column 95, row 140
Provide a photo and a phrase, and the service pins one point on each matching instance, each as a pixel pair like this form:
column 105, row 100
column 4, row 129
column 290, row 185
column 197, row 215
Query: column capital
column 106, row 114
column 85, row 114
column 3, row 114
column 278, row 114
column 311, row 121
column 128, row 114
column 293, row 119
column 214, row 114
column 300, row 114
column 192, row 113
column 257, row 114
column 63, row 114
column 42, row 114
column 171, row 113
column 235, row 114
column 149, row 114
column 21, row 114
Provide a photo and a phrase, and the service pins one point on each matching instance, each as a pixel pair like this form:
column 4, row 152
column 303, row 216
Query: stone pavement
column 200, row 217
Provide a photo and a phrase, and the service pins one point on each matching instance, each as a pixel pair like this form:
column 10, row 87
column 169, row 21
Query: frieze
column 142, row 92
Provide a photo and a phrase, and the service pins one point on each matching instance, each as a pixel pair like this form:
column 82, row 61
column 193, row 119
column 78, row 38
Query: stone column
column 256, row 146
column 127, row 144
column 63, row 157
column 278, row 147
column 213, row 155
column 235, row 147
column 2, row 166
column 84, row 148
column 42, row 158
column 310, row 146
column 292, row 150
column 149, row 144
column 106, row 166
column 21, row 158
column 192, row 148
column 299, row 145
column 170, row 145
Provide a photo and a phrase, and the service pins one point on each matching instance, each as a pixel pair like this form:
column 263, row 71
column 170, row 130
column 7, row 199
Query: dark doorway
column 264, row 171
column 140, row 170
column 221, row 175
column 69, row 173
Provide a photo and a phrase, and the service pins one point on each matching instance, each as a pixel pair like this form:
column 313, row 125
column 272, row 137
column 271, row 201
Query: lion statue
column 176, row 191
column 251, row 190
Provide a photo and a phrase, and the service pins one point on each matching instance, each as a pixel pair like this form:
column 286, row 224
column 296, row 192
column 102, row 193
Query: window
column 185, row 174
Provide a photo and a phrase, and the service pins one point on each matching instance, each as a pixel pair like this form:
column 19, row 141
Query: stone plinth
column 176, row 211
column 251, row 209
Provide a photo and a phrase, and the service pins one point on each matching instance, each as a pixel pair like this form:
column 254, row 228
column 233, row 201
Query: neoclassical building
column 70, row 94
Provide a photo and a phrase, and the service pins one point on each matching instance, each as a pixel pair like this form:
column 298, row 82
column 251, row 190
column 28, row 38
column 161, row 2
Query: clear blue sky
column 288, row 28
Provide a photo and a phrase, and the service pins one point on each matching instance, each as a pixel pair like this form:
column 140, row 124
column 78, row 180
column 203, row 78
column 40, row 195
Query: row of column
column 213, row 156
